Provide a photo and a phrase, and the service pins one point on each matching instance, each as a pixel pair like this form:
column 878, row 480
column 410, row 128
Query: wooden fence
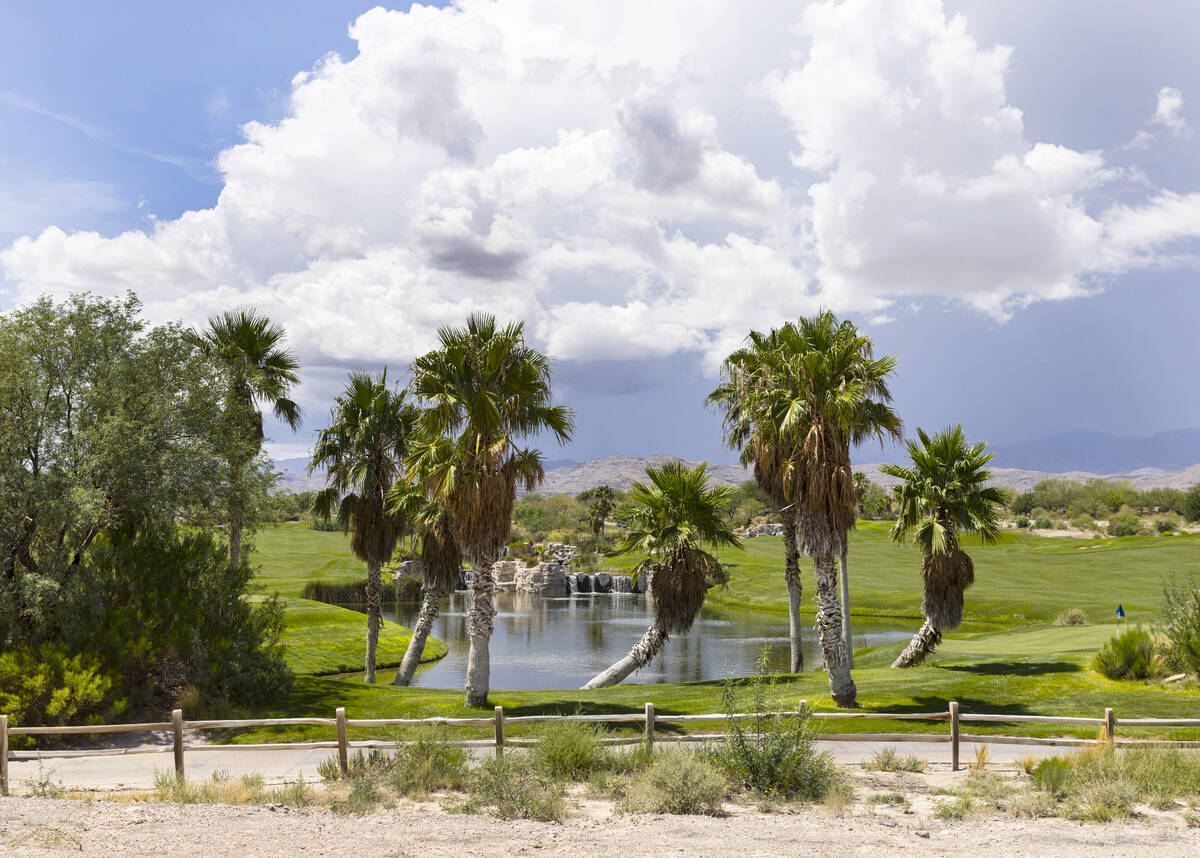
column 648, row 718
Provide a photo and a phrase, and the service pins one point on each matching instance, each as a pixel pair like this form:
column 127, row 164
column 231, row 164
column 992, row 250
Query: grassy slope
column 320, row 638
column 1036, row 668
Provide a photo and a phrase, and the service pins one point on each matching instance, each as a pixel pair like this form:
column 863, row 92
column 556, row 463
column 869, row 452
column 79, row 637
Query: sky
column 1005, row 196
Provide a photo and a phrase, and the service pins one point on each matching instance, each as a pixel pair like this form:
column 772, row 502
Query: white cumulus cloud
column 635, row 180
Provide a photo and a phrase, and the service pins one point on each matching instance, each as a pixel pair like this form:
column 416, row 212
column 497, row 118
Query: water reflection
column 561, row 642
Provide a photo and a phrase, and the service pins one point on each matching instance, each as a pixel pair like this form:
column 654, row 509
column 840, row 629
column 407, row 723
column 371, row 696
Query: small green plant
column 1051, row 774
column 364, row 797
column 1127, row 656
column 514, row 789
column 953, row 809
column 44, row 785
column 569, row 750
column 679, row 782
column 328, row 769
column 1072, row 617
column 769, row 753
column 887, row 760
column 428, row 764
column 298, row 794
column 1191, row 819
column 1033, row 805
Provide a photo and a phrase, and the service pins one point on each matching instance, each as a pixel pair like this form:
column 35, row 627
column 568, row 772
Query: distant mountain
column 1101, row 453
column 294, row 476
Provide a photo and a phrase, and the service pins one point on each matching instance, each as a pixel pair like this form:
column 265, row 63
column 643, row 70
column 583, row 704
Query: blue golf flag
column 1120, row 612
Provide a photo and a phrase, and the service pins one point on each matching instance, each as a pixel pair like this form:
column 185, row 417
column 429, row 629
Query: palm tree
column 943, row 494
column 484, row 390
column 602, row 504
column 257, row 369
column 837, row 396
column 441, row 564
column 752, row 379
column 676, row 515
column 362, row 452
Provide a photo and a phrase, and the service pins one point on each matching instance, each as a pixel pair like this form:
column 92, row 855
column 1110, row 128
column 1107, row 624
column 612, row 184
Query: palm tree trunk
column 923, row 643
column 480, row 621
column 374, row 620
column 642, row 654
column 847, row 632
column 791, row 574
column 829, row 624
column 430, row 606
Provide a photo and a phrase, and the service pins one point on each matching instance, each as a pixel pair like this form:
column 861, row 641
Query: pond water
column 562, row 642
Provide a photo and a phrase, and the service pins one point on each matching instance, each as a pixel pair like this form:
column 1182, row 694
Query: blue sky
column 1007, row 196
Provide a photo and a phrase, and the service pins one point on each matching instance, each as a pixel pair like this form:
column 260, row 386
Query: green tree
column 1190, row 506
column 441, row 563
column 602, row 501
column 677, row 519
column 837, row 396
column 484, row 390
column 362, row 452
column 943, row 494
column 256, row 370
column 755, row 381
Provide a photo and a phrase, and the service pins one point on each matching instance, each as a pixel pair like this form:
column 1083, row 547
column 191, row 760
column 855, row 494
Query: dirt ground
column 121, row 827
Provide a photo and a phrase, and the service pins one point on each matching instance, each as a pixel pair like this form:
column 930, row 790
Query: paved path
column 125, row 770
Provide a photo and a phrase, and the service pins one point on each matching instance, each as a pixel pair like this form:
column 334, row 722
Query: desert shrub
column 364, row 797
column 1100, row 785
column 887, row 760
column 679, row 782
column 1072, row 617
column 514, row 789
column 772, row 754
column 1166, row 524
column 1181, row 625
column 1043, row 523
column 953, row 809
column 1124, row 523
column 1032, row 805
column 298, row 794
column 1022, row 521
column 328, row 769
column 427, row 764
column 47, row 687
column 1127, row 656
column 569, row 750
column 1190, row 507
column 1083, row 522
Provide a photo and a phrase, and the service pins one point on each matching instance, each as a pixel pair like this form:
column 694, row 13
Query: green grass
column 320, row 638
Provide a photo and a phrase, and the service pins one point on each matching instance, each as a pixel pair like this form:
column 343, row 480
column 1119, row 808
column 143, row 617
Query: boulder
column 602, row 582
column 548, row 579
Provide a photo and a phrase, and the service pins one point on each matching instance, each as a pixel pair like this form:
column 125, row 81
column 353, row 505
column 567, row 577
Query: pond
column 561, row 642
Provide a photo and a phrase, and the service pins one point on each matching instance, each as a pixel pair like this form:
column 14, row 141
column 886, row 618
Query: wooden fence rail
column 649, row 719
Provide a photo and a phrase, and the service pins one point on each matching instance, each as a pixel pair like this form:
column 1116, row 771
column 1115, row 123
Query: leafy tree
column 1124, row 523
column 602, row 501
column 1190, row 507
column 362, row 452
column 484, row 390
column 676, row 520
column 944, row 493
column 256, row 369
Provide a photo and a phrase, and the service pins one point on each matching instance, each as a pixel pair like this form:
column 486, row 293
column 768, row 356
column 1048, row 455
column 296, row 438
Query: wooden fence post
column 954, row 735
column 343, row 746
column 1110, row 725
column 650, row 724
column 177, row 729
column 499, row 732
column 3, row 755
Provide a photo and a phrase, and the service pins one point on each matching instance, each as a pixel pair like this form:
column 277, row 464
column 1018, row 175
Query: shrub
column 1044, row 523
column 427, row 764
column 772, row 754
column 887, row 760
column 1181, row 625
column 1127, row 656
column 679, row 782
column 516, row 790
column 1072, row 617
column 1022, row 521
column 569, row 750
column 1051, row 774
column 1191, row 504
column 957, row 808
column 1032, row 805
column 1083, row 522
column 1124, row 523
column 47, row 687
column 1166, row 524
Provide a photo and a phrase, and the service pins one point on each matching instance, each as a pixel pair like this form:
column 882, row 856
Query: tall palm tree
column 943, row 494
column 441, row 563
column 752, row 379
column 838, row 396
column 677, row 514
column 248, row 349
column 362, row 451
column 602, row 503
column 484, row 390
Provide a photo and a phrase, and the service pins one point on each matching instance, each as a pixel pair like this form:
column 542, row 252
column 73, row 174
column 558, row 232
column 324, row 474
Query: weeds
column 428, row 764
column 516, row 790
column 979, row 765
column 679, row 782
column 887, row 760
column 1028, row 763
column 953, row 809
column 1033, row 805
column 570, row 750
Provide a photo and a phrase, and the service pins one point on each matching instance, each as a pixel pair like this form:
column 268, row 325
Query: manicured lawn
column 320, row 638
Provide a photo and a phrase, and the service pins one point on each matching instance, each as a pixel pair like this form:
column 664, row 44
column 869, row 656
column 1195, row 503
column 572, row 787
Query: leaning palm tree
column 943, row 494
column 441, row 565
column 837, row 396
column 257, row 369
column 752, row 380
column 484, row 390
column 362, row 451
column 677, row 520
